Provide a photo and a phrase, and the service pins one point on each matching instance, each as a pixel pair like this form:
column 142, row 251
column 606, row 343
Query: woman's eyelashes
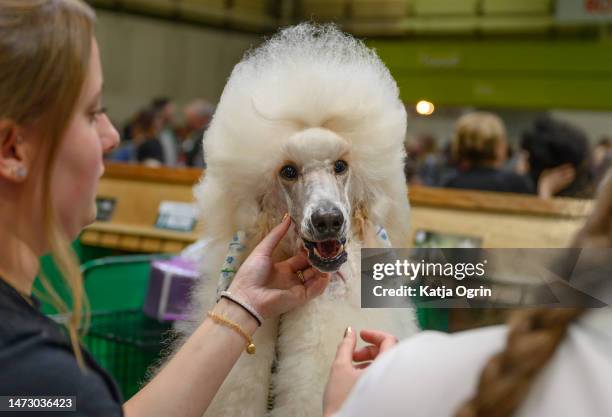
column 94, row 114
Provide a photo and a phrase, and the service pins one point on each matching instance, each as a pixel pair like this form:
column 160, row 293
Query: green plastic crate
column 117, row 282
column 121, row 338
column 126, row 344
column 433, row 318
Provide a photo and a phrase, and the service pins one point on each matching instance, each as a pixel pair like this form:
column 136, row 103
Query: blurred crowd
column 153, row 136
column 553, row 158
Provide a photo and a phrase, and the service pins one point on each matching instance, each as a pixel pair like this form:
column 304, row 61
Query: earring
column 20, row 172
column 19, row 139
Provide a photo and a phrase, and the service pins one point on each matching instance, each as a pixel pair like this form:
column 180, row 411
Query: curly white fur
column 307, row 76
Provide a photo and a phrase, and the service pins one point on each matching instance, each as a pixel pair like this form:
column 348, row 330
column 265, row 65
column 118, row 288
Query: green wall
column 531, row 74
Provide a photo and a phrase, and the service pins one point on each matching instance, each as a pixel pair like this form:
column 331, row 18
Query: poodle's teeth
column 320, row 256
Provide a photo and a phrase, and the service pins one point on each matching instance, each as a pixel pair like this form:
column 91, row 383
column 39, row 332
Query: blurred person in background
column 149, row 150
column 558, row 159
column 480, row 150
column 165, row 110
column 198, row 115
column 126, row 130
column 424, row 163
column 126, row 151
column 142, row 145
column 410, row 164
column 602, row 159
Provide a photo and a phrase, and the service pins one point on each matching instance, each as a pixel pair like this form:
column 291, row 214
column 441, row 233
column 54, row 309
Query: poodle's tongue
column 328, row 249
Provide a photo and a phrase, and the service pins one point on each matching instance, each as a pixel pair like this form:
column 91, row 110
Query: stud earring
column 20, row 172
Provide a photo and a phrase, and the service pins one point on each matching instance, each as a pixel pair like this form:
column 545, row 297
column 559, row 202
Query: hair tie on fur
column 383, row 236
column 232, row 261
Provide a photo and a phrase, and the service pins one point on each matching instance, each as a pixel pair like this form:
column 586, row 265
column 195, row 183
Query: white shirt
column 433, row 373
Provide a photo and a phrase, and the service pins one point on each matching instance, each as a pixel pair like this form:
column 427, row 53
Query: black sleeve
column 37, row 368
column 448, row 181
column 150, row 149
column 519, row 184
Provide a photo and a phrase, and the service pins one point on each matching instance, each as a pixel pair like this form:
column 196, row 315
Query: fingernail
column 348, row 331
column 285, row 217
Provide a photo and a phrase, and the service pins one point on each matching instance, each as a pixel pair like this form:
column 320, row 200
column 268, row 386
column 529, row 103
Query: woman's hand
column 344, row 374
column 275, row 288
column 553, row 181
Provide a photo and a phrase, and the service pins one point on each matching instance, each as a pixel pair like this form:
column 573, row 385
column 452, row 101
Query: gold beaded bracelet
column 225, row 322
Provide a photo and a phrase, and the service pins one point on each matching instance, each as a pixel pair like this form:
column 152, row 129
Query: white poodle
column 311, row 124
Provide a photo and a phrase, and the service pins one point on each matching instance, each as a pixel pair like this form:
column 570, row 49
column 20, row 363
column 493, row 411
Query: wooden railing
column 498, row 219
column 138, row 192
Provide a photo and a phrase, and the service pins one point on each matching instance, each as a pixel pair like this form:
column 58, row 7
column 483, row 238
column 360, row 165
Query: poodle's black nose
column 327, row 220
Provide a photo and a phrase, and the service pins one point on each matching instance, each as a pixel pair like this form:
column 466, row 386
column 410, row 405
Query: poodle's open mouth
column 326, row 255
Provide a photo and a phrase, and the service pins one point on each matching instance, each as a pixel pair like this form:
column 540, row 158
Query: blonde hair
column 533, row 338
column 535, row 334
column 477, row 138
column 45, row 46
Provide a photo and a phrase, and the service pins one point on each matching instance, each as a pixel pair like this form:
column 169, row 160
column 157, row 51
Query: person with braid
column 544, row 362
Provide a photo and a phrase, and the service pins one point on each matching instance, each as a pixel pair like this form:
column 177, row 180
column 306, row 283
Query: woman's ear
column 14, row 156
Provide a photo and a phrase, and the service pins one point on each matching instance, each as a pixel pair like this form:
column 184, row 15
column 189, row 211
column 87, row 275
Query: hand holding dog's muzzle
column 275, row 288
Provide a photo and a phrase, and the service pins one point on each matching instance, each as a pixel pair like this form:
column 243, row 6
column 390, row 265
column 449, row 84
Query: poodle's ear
column 360, row 220
column 363, row 227
column 266, row 218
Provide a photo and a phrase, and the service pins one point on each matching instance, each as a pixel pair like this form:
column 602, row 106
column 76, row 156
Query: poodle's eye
column 340, row 166
column 289, row 172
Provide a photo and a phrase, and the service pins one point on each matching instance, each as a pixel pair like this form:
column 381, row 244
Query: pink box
column 170, row 284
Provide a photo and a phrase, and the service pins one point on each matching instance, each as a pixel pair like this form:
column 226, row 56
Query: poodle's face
column 315, row 178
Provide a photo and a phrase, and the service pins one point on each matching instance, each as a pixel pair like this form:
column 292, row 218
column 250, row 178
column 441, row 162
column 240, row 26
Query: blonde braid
column 533, row 337
column 535, row 334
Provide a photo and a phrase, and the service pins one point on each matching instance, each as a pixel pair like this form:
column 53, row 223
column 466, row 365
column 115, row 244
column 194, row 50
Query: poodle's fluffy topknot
column 320, row 43
column 305, row 76
column 321, row 52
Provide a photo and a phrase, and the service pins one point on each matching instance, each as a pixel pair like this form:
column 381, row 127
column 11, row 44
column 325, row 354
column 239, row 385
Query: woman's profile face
column 79, row 163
